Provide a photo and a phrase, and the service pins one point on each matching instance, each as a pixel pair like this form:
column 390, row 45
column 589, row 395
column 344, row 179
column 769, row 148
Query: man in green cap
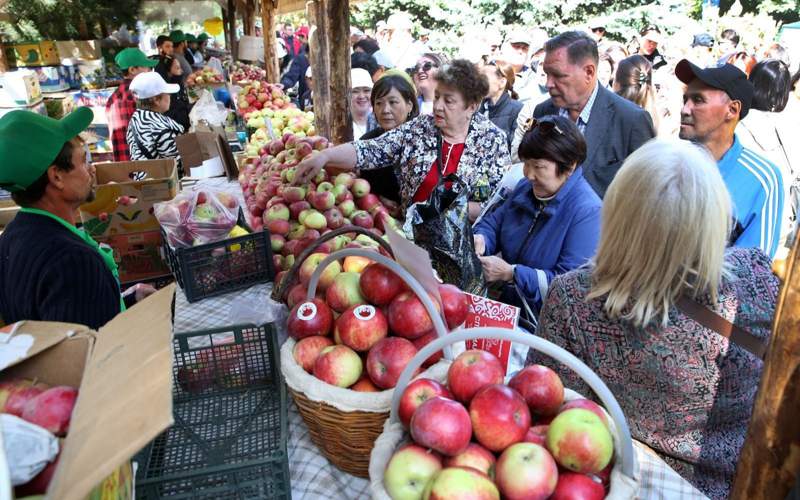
column 49, row 269
column 121, row 105
column 179, row 51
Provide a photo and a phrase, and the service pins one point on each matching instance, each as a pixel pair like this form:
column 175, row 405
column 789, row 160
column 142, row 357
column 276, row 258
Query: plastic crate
column 230, row 432
column 223, row 266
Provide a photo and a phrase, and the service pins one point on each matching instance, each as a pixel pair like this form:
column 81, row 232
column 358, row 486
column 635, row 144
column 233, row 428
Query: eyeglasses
column 546, row 125
column 598, row 30
column 425, row 67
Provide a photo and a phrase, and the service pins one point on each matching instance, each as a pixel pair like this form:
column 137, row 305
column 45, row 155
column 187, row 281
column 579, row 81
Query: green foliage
column 32, row 20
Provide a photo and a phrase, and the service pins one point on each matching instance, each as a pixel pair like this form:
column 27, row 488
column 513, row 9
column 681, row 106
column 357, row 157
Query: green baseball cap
column 30, row 142
column 177, row 36
column 191, row 38
column 131, row 58
column 202, row 37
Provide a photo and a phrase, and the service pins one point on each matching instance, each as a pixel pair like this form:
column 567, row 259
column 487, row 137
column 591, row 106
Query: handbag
column 713, row 321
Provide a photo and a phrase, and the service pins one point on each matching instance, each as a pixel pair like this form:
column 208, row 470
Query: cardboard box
column 131, row 230
column 206, row 154
column 124, row 377
column 76, row 50
column 251, row 48
column 59, row 104
column 51, row 78
column 39, row 107
column 19, row 88
column 28, row 54
column 49, row 53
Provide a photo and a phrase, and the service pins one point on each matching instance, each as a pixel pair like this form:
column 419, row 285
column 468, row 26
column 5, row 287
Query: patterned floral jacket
column 686, row 391
column 412, row 148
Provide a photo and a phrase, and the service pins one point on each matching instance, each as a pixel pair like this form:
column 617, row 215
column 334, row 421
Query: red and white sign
column 485, row 312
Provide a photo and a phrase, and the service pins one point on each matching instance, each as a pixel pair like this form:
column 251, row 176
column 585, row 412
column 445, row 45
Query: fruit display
column 297, row 215
column 518, row 440
column 260, row 95
column 204, row 77
column 42, row 405
column 345, row 335
column 198, row 217
column 283, row 121
column 244, row 73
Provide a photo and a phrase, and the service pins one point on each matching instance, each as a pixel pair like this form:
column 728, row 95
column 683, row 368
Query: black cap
column 727, row 77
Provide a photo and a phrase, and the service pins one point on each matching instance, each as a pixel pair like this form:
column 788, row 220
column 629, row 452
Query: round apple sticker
column 307, row 311
column 364, row 313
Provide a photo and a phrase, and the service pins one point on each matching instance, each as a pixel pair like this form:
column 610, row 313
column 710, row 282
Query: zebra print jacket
column 151, row 136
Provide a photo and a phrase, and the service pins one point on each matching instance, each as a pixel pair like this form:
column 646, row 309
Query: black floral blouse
column 411, row 147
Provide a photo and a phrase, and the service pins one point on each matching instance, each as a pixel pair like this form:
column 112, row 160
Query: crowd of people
column 627, row 200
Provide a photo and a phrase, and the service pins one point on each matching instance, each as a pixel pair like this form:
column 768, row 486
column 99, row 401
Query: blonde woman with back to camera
column 686, row 390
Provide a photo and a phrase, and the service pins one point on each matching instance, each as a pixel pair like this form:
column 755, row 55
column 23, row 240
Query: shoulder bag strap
column 713, row 321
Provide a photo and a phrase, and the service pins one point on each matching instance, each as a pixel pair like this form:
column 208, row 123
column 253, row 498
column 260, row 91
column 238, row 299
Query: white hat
column 308, row 72
column 383, row 59
column 360, row 78
column 151, row 84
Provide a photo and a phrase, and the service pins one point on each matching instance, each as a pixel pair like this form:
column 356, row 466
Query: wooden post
column 268, row 32
column 3, row 61
column 232, row 43
column 337, row 24
column 770, row 459
column 248, row 18
column 318, row 50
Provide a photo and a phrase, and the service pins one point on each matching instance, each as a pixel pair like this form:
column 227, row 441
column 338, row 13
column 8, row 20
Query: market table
column 312, row 475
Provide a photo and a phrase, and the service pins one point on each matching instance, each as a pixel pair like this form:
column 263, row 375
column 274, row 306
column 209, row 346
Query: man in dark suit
column 613, row 127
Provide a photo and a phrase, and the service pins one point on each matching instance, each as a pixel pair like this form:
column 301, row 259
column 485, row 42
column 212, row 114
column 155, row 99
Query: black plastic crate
column 230, row 432
column 223, row 266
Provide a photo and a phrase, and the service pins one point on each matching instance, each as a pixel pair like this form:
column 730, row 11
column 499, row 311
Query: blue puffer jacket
column 564, row 238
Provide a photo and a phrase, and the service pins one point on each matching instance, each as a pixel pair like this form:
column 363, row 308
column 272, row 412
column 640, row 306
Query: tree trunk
column 232, row 42
column 770, row 459
column 318, row 58
column 3, row 61
column 268, row 32
column 337, row 15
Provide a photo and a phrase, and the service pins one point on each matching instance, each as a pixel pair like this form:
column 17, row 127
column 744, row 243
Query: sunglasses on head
column 425, row 67
column 546, row 125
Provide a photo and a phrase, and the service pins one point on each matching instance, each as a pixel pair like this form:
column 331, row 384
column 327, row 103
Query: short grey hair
column 580, row 46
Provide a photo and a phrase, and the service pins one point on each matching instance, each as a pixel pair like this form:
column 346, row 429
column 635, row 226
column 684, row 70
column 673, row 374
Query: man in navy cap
column 715, row 100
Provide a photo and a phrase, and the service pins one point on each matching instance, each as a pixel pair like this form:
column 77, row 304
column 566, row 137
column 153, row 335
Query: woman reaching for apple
column 550, row 223
column 454, row 139
column 632, row 315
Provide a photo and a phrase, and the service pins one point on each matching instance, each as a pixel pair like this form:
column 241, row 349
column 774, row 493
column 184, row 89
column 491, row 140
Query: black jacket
column 179, row 106
column 296, row 75
column 503, row 114
column 616, row 128
column 48, row 273
column 382, row 181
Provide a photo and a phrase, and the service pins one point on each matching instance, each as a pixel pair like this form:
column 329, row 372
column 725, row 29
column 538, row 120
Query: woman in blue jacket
column 550, row 224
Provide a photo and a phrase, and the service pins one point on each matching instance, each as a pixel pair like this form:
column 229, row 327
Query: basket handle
column 543, row 346
column 416, row 287
column 282, row 288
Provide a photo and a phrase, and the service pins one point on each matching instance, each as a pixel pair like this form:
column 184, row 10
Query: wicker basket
column 625, row 474
column 344, row 423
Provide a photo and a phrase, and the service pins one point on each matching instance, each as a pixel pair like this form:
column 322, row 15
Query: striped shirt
column 152, row 135
column 586, row 112
column 756, row 188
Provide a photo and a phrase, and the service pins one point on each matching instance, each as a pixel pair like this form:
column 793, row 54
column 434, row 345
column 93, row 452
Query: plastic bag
column 28, row 448
column 197, row 217
column 441, row 226
column 208, row 110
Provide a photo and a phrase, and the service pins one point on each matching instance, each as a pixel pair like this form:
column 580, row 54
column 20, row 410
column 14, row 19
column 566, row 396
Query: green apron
column 106, row 253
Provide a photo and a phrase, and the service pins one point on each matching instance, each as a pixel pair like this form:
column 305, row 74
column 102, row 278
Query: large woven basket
column 344, row 423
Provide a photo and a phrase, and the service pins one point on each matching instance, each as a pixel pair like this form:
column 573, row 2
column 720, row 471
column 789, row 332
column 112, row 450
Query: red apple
column 499, row 417
column 309, row 319
column 526, row 471
column 297, row 207
column 580, row 441
column 15, row 394
column 421, row 342
column 442, row 425
column 278, row 227
column 52, row 409
column 541, row 387
column 387, row 359
column 409, row 470
column 307, row 350
column 408, row 317
column 344, row 292
column 327, row 277
column 297, row 294
column 472, row 371
column 368, row 202
column 537, row 435
column 586, row 404
column 360, row 188
column 361, row 327
column 379, row 285
column 574, row 486
column 364, row 384
column 362, row 219
column 457, row 483
column 417, row 392
column 322, row 201
column 455, row 305
column 476, row 457
column 338, row 365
